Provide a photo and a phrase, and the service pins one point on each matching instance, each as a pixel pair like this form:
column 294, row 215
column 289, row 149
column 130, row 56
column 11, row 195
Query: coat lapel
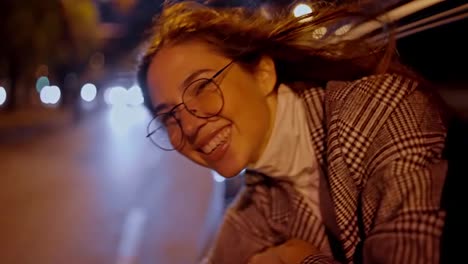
column 343, row 191
column 354, row 113
column 339, row 211
column 314, row 105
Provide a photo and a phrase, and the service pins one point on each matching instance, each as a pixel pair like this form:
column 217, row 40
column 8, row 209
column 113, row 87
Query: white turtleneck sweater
column 289, row 154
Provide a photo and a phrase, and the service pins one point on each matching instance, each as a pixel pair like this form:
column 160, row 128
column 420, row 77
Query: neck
column 272, row 103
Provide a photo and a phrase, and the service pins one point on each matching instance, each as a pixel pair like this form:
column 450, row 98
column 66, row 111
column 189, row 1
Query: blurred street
column 99, row 192
column 79, row 181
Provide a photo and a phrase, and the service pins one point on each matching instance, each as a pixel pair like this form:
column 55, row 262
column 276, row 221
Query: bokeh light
column 302, row 9
column 42, row 82
column 319, row 32
column 88, row 92
column 123, row 119
column 135, row 96
column 107, row 96
column 50, row 95
column 119, row 96
column 3, row 95
column 343, row 30
column 116, row 96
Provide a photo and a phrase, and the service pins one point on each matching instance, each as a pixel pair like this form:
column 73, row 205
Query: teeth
column 216, row 141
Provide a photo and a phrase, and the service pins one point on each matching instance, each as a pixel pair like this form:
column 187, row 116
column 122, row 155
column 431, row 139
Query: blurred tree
column 59, row 34
column 134, row 18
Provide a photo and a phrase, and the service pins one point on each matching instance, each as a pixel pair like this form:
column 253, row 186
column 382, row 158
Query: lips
column 216, row 143
column 220, row 138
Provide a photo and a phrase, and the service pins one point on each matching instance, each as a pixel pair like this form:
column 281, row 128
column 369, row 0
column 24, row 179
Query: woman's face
column 236, row 137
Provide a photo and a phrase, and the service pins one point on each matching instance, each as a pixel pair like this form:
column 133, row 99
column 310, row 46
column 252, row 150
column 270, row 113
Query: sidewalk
column 24, row 124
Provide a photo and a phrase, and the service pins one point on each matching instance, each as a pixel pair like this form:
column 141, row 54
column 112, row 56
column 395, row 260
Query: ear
column 266, row 74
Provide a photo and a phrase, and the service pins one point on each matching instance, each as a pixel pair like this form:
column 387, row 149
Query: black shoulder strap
column 453, row 195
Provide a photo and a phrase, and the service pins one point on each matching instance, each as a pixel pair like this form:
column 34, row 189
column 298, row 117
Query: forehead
column 173, row 64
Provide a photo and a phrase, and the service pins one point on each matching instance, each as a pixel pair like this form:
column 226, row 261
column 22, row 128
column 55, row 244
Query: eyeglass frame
column 171, row 112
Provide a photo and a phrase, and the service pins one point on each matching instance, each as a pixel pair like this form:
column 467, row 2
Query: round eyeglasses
column 202, row 98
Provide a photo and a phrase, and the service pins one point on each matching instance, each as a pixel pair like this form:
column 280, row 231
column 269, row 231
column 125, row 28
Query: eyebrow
column 192, row 77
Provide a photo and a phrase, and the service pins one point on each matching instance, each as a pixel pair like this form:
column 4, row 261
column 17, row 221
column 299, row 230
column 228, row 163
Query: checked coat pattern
column 379, row 141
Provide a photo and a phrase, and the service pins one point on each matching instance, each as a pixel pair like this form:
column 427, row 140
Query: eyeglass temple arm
column 222, row 69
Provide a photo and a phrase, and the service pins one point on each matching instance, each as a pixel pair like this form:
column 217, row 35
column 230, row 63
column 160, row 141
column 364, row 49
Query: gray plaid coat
column 379, row 141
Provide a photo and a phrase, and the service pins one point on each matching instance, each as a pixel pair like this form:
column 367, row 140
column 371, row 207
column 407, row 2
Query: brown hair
column 247, row 34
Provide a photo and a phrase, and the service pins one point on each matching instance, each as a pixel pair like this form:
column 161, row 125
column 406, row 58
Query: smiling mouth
column 217, row 141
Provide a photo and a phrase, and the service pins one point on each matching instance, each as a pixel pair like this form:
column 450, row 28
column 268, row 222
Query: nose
column 190, row 124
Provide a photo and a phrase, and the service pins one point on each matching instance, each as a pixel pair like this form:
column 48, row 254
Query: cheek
column 247, row 109
column 241, row 94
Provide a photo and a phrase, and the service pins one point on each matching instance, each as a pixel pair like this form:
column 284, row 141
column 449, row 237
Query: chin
column 228, row 172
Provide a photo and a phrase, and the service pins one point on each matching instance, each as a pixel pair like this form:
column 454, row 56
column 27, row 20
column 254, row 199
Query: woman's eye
column 200, row 87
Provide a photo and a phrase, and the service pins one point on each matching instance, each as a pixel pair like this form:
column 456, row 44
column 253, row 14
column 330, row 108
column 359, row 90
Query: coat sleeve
column 404, row 189
column 266, row 214
column 244, row 230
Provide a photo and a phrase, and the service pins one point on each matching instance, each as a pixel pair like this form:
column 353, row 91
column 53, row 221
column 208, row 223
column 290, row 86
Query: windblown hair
column 299, row 52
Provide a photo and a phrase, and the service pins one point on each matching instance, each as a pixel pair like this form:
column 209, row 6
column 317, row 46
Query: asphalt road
column 99, row 192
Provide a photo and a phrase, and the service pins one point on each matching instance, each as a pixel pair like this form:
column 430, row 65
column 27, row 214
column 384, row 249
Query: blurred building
column 53, row 38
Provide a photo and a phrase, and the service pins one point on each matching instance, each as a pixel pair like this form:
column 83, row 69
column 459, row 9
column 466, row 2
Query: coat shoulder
column 388, row 89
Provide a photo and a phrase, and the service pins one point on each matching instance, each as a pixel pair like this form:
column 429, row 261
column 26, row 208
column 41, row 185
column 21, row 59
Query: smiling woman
column 342, row 145
column 211, row 126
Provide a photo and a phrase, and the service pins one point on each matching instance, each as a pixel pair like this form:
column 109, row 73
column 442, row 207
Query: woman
column 342, row 145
